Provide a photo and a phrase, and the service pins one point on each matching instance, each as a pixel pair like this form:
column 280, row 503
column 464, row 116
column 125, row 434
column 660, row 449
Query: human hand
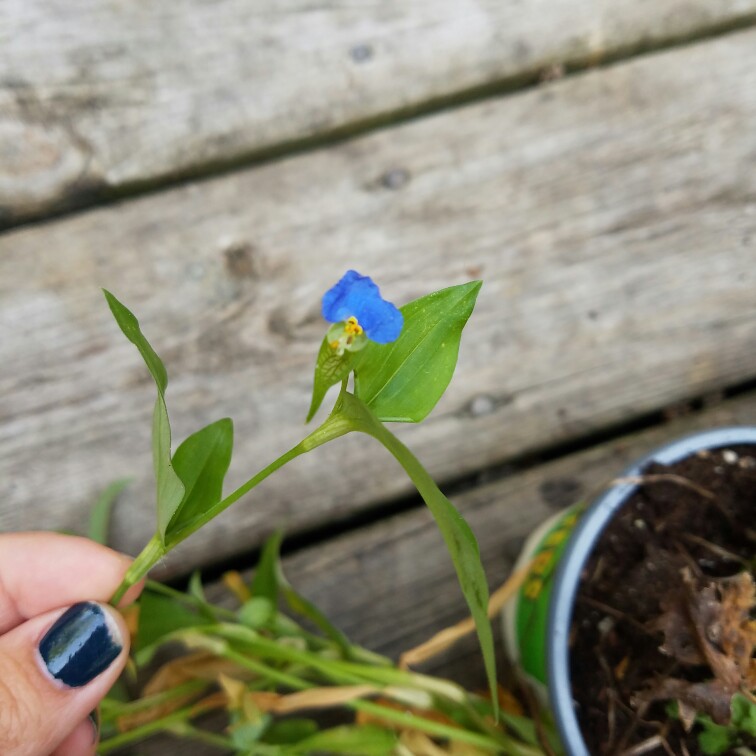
column 60, row 652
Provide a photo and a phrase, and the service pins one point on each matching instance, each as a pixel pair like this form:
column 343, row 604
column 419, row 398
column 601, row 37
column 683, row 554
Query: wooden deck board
column 97, row 98
column 612, row 216
column 391, row 586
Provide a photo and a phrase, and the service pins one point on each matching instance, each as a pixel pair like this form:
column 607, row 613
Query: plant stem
column 151, row 554
column 140, row 733
column 386, row 713
column 428, row 726
column 459, row 538
column 333, row 427
column 111, row 711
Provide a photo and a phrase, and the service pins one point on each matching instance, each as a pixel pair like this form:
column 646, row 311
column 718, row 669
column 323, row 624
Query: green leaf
column 713, row 739
column 195, row 588
column 160, row 616
column 99, row 518
column 743, row 714
column 330, row 369
column 130, row 326
column 465, row 555
column 404, row 380
column 269, row 581
column 355, row 740
column 459, row 538
column 247, row 734
column 170, row 489
column 265, row 581
column 256, row 613
column 305, row 608
column 201, row 463
column 282, row 732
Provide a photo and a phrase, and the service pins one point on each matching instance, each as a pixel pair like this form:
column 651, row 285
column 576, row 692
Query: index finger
column 44, row 571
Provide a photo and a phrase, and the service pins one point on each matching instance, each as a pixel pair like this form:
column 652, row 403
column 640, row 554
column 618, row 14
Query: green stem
column 112, row 710
column 459, row 538
column 186, row 730
column 220, row 612
column 151, row 554
column 359, row 418
column 140, row 733
column 334, row 427
column 282, row 678
column 384, row 712
column 428, row 726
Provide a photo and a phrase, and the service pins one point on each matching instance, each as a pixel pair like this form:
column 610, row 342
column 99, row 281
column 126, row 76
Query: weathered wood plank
column 612, row 216
column 391, row 586
column 100, row 97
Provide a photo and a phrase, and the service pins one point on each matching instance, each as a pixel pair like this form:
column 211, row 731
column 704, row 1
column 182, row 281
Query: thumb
column 54, row 669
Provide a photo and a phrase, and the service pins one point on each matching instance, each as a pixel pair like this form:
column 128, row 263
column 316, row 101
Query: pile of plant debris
column 664, row 633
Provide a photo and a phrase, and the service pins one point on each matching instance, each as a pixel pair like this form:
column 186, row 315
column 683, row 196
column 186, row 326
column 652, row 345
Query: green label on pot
column 532, row 603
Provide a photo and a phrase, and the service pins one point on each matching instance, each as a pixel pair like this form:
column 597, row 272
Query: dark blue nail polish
column 83, row 642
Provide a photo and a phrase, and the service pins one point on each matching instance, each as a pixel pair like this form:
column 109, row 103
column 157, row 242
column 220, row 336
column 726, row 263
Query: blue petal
column 357, row 296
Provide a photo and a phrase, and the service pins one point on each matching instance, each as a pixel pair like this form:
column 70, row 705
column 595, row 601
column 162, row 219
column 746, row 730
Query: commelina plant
column 401, row 360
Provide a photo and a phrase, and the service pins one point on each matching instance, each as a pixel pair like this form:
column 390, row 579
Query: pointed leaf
column 195, row 589
column 305, row 608
column 404, row 380
column 170, row 489
column 355, row 740
column 130, row 326
column 265, row 581
column 459, row 538
column 201, row 463
column 330, row 369
column 99, row 518
column 463, row 549
column 269, row 581
column 160, row 616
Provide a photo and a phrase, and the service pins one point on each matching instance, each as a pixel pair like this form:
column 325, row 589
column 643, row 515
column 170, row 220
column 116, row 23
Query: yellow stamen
column 352, row 327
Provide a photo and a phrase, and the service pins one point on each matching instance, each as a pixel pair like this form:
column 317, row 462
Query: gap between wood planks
column 322, row 534
column 86, row 199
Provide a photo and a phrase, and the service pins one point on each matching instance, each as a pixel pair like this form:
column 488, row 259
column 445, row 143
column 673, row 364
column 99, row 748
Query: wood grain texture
column 391, row 586
column 612, row 216
column 101, row 97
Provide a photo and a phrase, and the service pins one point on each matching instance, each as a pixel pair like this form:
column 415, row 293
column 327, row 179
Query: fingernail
column 81, row 644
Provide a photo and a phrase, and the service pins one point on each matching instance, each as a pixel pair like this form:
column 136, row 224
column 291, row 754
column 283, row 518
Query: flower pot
column 537, row 624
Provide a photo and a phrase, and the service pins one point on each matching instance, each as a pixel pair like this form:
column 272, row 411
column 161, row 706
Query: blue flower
column 355, row 305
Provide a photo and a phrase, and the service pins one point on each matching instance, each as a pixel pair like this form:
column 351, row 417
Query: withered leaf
column 738, row 630
column 711, row 697
column 680, row 638
column 710, row 623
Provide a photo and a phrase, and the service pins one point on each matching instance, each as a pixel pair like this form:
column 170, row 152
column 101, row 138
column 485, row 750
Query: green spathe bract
column 330, row 368
column 399, row 381
column 404, row 380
